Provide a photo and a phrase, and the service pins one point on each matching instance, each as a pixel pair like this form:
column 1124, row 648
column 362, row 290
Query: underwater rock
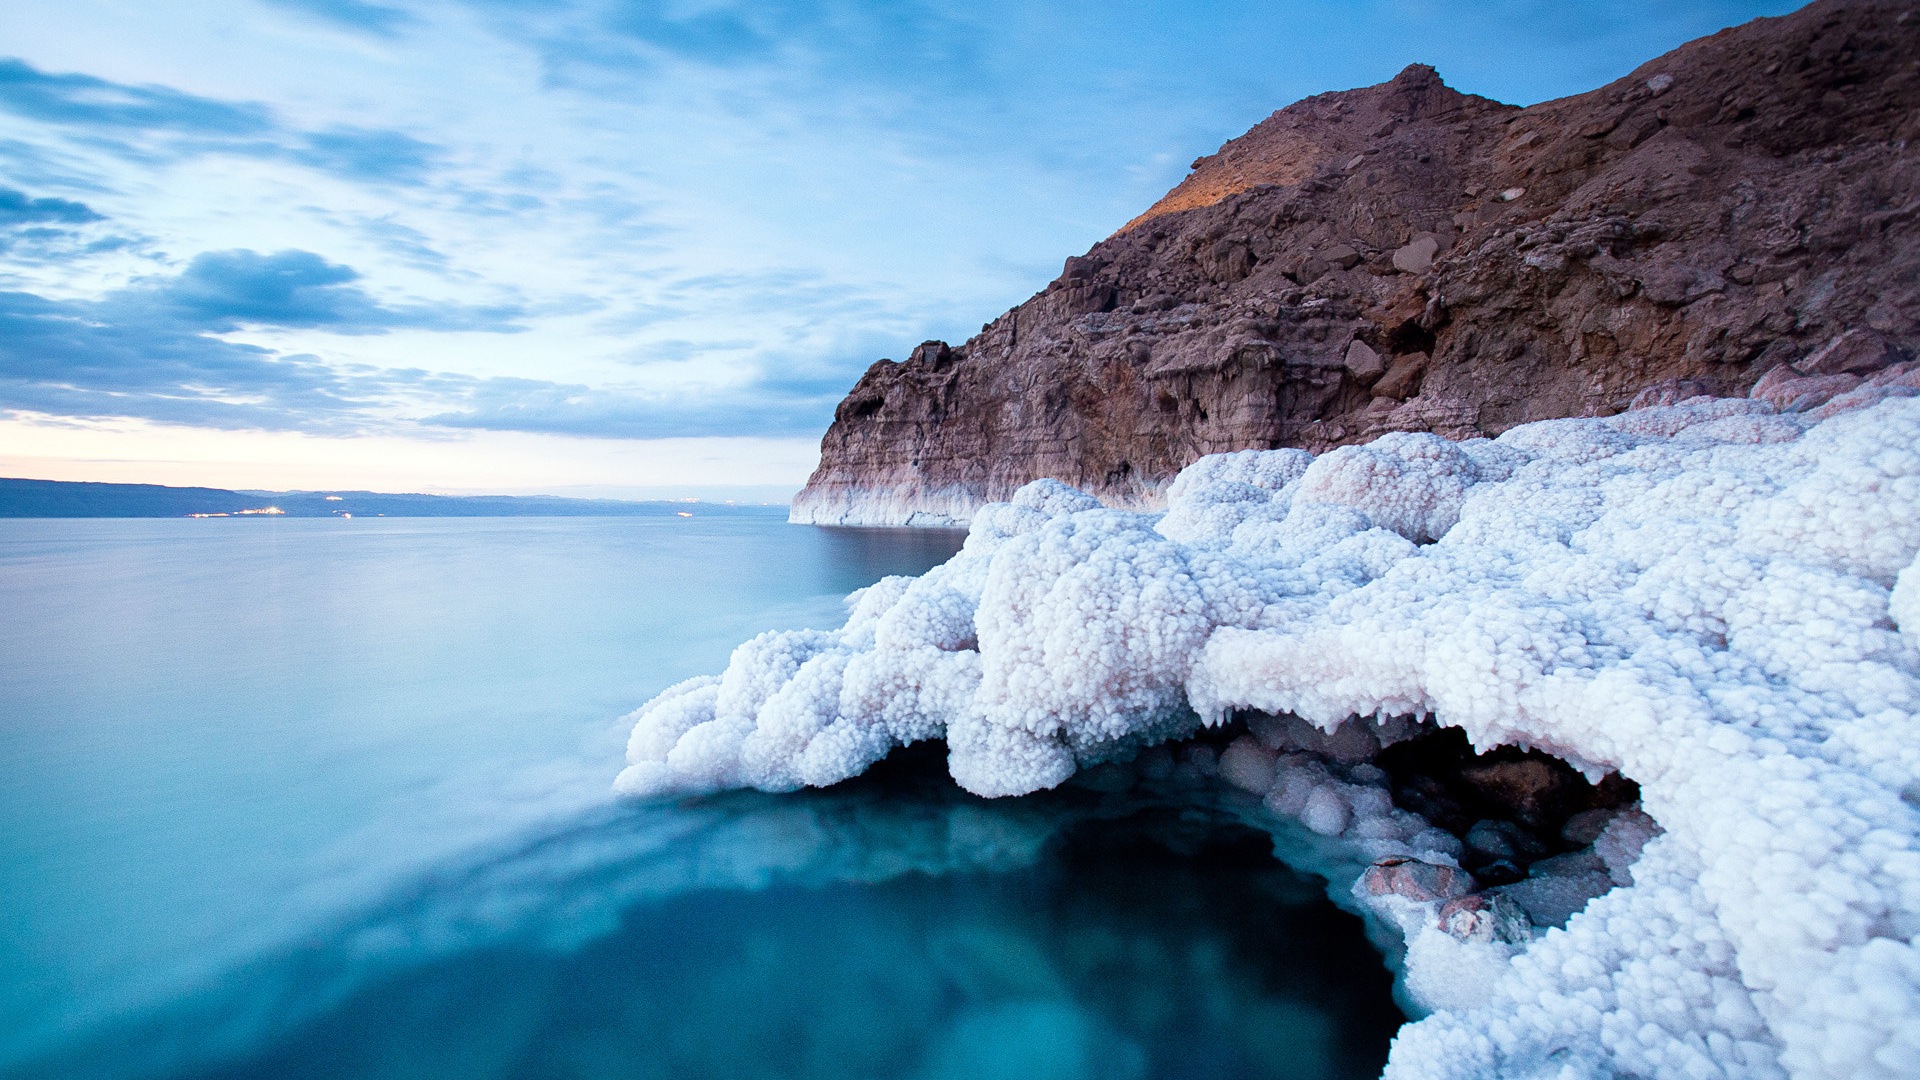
column 1416, row 880
column 1486, row 917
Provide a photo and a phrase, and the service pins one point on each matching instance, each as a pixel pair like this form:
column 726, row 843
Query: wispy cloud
column 74, row 359
column 365, row 154
column 224, row 291
column 152, row 350
column 17, row 208
column 85, row 101
column 157, row 123
column 636, row 218
column 624, row 413
column 46, row 229
column 378, row 19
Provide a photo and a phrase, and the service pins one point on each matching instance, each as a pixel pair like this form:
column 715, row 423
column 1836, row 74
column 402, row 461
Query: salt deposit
column 1716, row 599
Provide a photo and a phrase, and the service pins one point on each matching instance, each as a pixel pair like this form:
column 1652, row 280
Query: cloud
column 366, row 154
column 156, row 123
column 40, row 230
column 406, row 243
column 149, row 351
column 358, row 15
column 18, row 208
column 71, row 359
column 85, row 101
column 529, row 405
column 223, row 291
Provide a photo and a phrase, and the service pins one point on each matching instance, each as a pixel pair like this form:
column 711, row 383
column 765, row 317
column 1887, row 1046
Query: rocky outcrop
column 1738, row 214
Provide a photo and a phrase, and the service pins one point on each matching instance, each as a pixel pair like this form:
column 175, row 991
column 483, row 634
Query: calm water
column 328, row 798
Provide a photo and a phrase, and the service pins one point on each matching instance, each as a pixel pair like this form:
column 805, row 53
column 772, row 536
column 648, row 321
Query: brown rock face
column 1405, row 257
column 1415, row 880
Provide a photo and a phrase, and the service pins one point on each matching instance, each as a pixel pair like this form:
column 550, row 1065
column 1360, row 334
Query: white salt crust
column 1719, row 601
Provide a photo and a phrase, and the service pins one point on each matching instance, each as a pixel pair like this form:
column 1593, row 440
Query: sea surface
column 329, row 798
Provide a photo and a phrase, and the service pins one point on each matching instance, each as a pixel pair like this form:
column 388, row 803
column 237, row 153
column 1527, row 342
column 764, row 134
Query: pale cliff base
column 911, row 507
column 951, row 508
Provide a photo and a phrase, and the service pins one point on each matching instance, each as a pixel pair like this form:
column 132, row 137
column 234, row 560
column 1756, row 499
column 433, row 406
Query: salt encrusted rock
column 1714, row 599
column 1618, row 846
column 1788, row 391
column 1557, row 888
column 1248, row 765
column 1585, row 827
column 1325, row 812
column 1504, row 840
column 1903, row 604
column 1486, row 917
column 1858, row 351
column 1398, row 875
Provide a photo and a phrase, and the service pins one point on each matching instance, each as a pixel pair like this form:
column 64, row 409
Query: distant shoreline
column 22, row 498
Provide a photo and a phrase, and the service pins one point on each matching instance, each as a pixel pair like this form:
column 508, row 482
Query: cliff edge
column 1735, row 217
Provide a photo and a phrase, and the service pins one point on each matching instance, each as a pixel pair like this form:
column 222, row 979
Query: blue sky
column 610, row 246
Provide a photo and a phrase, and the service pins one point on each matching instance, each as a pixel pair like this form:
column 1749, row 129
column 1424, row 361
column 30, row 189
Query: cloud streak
column 17, row 209
column 158, row 123
column 377, row 19
column 225, row 291
column 151, row 351
column 648, row 217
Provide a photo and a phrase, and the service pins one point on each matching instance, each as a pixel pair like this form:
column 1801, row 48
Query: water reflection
column 868, row 554
column 890, row 927
column 214, row 735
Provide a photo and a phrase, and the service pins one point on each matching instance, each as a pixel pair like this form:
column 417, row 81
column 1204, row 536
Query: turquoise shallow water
column 329, row 798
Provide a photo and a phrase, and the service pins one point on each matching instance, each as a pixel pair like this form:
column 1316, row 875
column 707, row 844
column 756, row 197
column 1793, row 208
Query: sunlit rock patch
column 1714, row 599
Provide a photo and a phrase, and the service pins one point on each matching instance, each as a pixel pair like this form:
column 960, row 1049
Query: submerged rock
column 1554, row 889
column 1416, row 880
column 1486, row 917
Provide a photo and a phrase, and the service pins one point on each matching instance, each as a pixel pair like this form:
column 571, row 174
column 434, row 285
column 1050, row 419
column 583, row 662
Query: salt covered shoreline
column 1716, row 599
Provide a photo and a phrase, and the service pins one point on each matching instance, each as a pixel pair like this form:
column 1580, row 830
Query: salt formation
column 1716, row 599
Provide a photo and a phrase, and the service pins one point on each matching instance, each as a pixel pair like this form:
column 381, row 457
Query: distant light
column 263, row 510
column 682, row 513
column 345, row 515
column 333, row 498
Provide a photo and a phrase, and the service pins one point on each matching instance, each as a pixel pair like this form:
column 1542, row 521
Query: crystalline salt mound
column 1718, row 601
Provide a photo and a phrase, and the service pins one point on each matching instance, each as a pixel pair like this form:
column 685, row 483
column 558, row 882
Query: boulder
column 1403, row 377
column 1363, row 363
column 1533, row 789
column 1486, row 917
column 1417, row 257
column 1855, row 352
column 1416, row 880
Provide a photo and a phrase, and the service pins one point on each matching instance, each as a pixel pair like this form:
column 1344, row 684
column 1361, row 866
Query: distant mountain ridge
column 75, row 499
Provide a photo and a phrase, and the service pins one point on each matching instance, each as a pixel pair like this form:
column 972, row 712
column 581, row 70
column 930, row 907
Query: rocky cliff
column 1736, row 217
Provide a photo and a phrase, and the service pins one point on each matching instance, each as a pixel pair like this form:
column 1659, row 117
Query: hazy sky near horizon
column 610, row 245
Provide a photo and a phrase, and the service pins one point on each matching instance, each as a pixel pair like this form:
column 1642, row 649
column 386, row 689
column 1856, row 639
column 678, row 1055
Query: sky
column 627, row 248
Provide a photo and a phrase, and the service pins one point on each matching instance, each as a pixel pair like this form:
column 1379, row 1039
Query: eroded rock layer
column 1738, row 216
